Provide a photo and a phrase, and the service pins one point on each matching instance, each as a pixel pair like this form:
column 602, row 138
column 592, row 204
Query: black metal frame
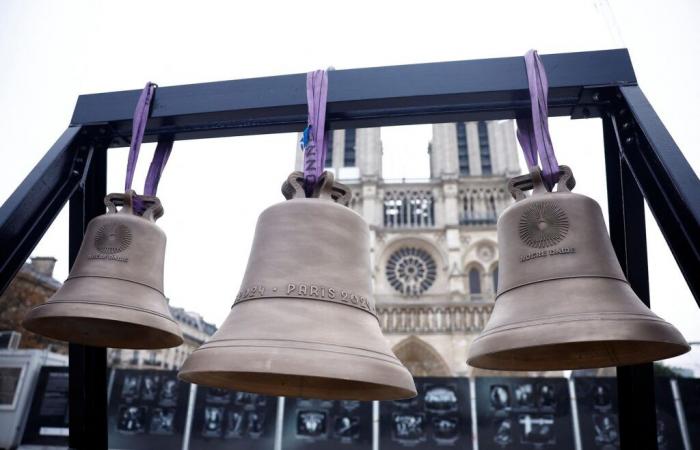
column 642, row 162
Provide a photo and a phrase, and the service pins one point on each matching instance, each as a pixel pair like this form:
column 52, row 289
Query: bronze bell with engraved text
column 304, row 321
column 113, row 296
column 563, row 301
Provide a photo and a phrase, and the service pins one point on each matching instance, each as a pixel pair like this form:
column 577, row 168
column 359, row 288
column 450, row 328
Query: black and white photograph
column 131, row 387
column 150, row 386
column 440, row 416
column 230, row 420
column 147, row 409
column 524, row 413
column 213, row 421
column 312, row 423
column 596, row 400
column 326, row 425
column 162, row 421
column 537, row 429
column 132, row 419
column 169, row 392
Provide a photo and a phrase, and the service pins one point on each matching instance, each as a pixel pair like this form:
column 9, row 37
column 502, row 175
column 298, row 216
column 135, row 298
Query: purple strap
column 143, row 106
column 160, row 157
column 533, row 132
column 315, row 149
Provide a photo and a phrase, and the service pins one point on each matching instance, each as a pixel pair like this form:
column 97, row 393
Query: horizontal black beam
column 486, row 89
column 670, row 186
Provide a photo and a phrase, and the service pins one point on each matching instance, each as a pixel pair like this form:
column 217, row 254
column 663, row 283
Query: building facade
column 433, row 242
column 195, row 331
column 32, row 286
column 35, row 284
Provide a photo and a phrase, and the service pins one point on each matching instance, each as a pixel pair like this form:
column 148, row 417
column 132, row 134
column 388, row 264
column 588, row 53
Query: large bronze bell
column 304, row 322
column 113, row 296
column 563, row 301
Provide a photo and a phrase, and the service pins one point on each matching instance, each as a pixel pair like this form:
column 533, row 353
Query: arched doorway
column 421, row 359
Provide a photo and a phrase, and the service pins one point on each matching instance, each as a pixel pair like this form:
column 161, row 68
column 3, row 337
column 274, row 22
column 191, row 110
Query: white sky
column 52, row 51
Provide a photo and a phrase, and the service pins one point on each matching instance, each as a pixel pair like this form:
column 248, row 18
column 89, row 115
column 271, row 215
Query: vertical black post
column 88, row 365
column 635, row 384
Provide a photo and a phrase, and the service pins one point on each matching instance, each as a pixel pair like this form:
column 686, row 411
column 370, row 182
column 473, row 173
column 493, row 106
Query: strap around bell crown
column 518, row 185
column 326, row 188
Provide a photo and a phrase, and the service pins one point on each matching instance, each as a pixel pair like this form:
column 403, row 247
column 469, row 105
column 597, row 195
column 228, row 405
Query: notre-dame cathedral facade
column 433, row 241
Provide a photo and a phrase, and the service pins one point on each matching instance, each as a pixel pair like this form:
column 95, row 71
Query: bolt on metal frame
column 642, row 163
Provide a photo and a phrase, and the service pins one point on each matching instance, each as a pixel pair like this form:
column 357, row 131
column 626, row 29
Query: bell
column 563, row 301
column 113, row 296
column 304, row 322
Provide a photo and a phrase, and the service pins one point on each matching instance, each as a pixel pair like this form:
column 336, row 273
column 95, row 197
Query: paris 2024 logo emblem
column 543, row 225
column 111, row 239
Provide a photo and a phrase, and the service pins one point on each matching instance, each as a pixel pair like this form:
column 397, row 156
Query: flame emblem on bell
column 113, row 296
column 563, row 301
column 112, row 238
column 304, row 322
column 544, row 224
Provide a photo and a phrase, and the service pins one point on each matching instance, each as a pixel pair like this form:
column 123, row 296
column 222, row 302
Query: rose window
column 411, row 271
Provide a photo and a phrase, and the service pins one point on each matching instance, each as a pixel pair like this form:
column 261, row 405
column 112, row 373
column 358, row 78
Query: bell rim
column 347, row 376
column 199, row 378
column 502, row 360
column 48, row 320
column 507, row 349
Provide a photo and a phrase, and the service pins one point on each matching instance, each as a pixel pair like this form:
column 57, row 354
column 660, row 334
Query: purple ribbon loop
column 316, row 143
column 160, row 156
column 533, row 132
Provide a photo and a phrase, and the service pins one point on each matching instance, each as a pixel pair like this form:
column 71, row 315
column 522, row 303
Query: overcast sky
column 52, row 51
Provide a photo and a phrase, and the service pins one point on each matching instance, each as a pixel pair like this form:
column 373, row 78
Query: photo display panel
column 668, row 430
column 326, row 424
column 689, row 389
column 439, row 416
column 596, row 399
column 524, row 413
column 47, row 423
column 232, row 420
column 147, row 409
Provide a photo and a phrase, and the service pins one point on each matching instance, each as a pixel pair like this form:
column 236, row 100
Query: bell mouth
column 289, row 385
column 296, row 368
column 577, row 355
column 84, row 323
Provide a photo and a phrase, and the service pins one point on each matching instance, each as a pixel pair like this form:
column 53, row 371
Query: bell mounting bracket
column 518, row 185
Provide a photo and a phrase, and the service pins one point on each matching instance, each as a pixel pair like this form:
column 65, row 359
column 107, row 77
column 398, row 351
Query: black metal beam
column 88, row 365
column 396, row 95
column 29, row 211
column 667, row 181
column 635, row 384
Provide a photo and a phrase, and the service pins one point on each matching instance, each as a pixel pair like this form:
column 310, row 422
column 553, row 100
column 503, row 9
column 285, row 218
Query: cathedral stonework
column 433, row 241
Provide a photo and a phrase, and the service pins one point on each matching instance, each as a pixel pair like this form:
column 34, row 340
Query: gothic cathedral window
column 484, row 149
column 462, row 150
column 349, row 154
column 474, row 281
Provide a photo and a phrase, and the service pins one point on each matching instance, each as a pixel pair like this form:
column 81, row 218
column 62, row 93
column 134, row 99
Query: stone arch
column 421, row 359
column 472, row 252
column 474, row 266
